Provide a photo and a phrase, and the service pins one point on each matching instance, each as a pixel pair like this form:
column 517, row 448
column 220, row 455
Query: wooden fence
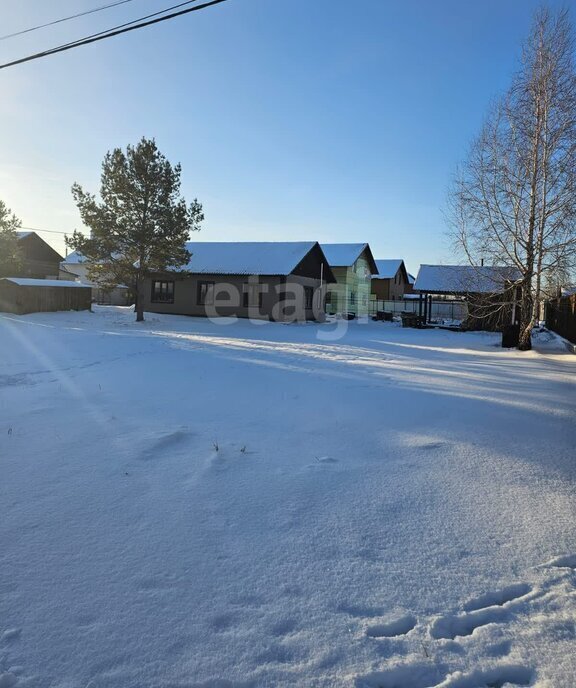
column 561, row 317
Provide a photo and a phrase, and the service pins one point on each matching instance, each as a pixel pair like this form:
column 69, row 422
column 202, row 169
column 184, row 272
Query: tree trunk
column 526, row 308
column 139, row 302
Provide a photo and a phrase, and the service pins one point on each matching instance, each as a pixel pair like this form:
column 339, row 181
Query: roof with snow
column 29, row 282
column 247, row 258
column 411, row 278
column 74, row 258
column 345, row 255
column 471, row 279
column 387, row 269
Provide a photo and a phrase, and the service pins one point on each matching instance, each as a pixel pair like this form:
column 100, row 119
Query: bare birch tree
column 514, row 200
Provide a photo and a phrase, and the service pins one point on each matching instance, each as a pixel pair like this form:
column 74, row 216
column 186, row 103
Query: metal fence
column 441, row 310
column 561, row 317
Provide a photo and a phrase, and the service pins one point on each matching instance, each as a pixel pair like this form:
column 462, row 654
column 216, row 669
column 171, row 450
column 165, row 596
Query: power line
column 120, row 26
column 116, row 31
column 50, row 231
column 64, row 19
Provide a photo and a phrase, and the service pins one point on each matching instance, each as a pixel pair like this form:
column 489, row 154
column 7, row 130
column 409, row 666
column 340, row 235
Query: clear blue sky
column 305, row 119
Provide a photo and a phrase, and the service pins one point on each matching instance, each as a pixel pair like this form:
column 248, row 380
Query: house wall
column 119, row 296
column 391, row 289
column 228, row 297
column 39, row 260
column 351, row 291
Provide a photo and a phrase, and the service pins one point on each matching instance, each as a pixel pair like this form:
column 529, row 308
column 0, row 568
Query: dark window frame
column 308, row 298
column 250, row 289
column 161, row 295
column 200, row 297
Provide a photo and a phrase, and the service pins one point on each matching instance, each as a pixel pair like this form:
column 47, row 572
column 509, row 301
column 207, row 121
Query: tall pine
column 141, row 223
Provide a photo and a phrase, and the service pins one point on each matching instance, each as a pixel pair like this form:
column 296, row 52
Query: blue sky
column 305, row 119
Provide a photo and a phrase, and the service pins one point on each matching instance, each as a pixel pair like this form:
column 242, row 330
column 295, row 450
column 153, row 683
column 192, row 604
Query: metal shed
column 25, row 295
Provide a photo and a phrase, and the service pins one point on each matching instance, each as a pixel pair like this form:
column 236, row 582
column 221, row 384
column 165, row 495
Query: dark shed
column 25, row 295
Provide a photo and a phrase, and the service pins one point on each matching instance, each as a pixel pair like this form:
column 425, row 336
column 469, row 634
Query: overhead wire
column 64, row 19
column 115, row 31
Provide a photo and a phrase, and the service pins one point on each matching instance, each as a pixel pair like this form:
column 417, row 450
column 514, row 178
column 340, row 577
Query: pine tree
column 141, row 224
column 10, row 254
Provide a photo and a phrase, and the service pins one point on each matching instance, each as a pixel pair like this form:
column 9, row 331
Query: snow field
column 186, row 505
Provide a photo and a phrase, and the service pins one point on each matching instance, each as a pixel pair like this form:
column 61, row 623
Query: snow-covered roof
column 29, row 282
column 343, row 255
column 247, row 258
column 486, row 279
column 411, row 278
column 74, row 258
column 387, row 269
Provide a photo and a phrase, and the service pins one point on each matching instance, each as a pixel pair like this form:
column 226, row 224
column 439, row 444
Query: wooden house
column 352, row 266
column 391, row 282
column 281, row 281
column 39, row 259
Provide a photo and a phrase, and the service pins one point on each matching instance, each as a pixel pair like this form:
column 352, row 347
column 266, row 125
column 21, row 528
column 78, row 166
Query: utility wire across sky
column 116, row 31
column 64, row 19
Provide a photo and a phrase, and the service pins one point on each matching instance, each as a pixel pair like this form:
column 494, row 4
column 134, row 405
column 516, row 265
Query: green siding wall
column 351, row 292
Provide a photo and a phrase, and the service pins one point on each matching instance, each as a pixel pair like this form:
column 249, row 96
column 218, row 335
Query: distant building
column 75, row 267
column 353, row 266
column 283, row 281
column 491, row 292
column 39, row 259
column 391, row 282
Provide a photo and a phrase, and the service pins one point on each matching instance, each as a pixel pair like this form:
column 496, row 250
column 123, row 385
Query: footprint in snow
column 506, row 675
column 564, row 562
column 405, row 676
column 166, row 443
column 452, row 626
column 10, row 635
column 480, row 611
column 392, row 629
column 498, row 598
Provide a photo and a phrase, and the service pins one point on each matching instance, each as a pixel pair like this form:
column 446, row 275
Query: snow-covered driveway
column 190, row 505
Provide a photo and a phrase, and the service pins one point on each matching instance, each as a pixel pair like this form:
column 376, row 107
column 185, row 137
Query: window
column 205, row 293
column 162, row 291
column 252, row 296
column 352, row 298
column 308, row 297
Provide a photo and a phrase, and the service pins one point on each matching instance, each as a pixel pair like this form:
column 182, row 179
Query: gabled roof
column 387, row 269
column 451, row 279
column 74, row 258
column 39, row 241
column 411, row 278
column 29, row 282
column 345, row 255
column 247, row 258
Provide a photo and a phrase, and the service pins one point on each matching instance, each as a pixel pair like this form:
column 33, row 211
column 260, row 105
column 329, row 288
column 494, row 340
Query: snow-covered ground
column 190, row 505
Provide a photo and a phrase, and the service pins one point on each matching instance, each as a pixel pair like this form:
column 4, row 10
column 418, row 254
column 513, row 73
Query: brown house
column 282, row 281
column 39, row 259
column 392, row 281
